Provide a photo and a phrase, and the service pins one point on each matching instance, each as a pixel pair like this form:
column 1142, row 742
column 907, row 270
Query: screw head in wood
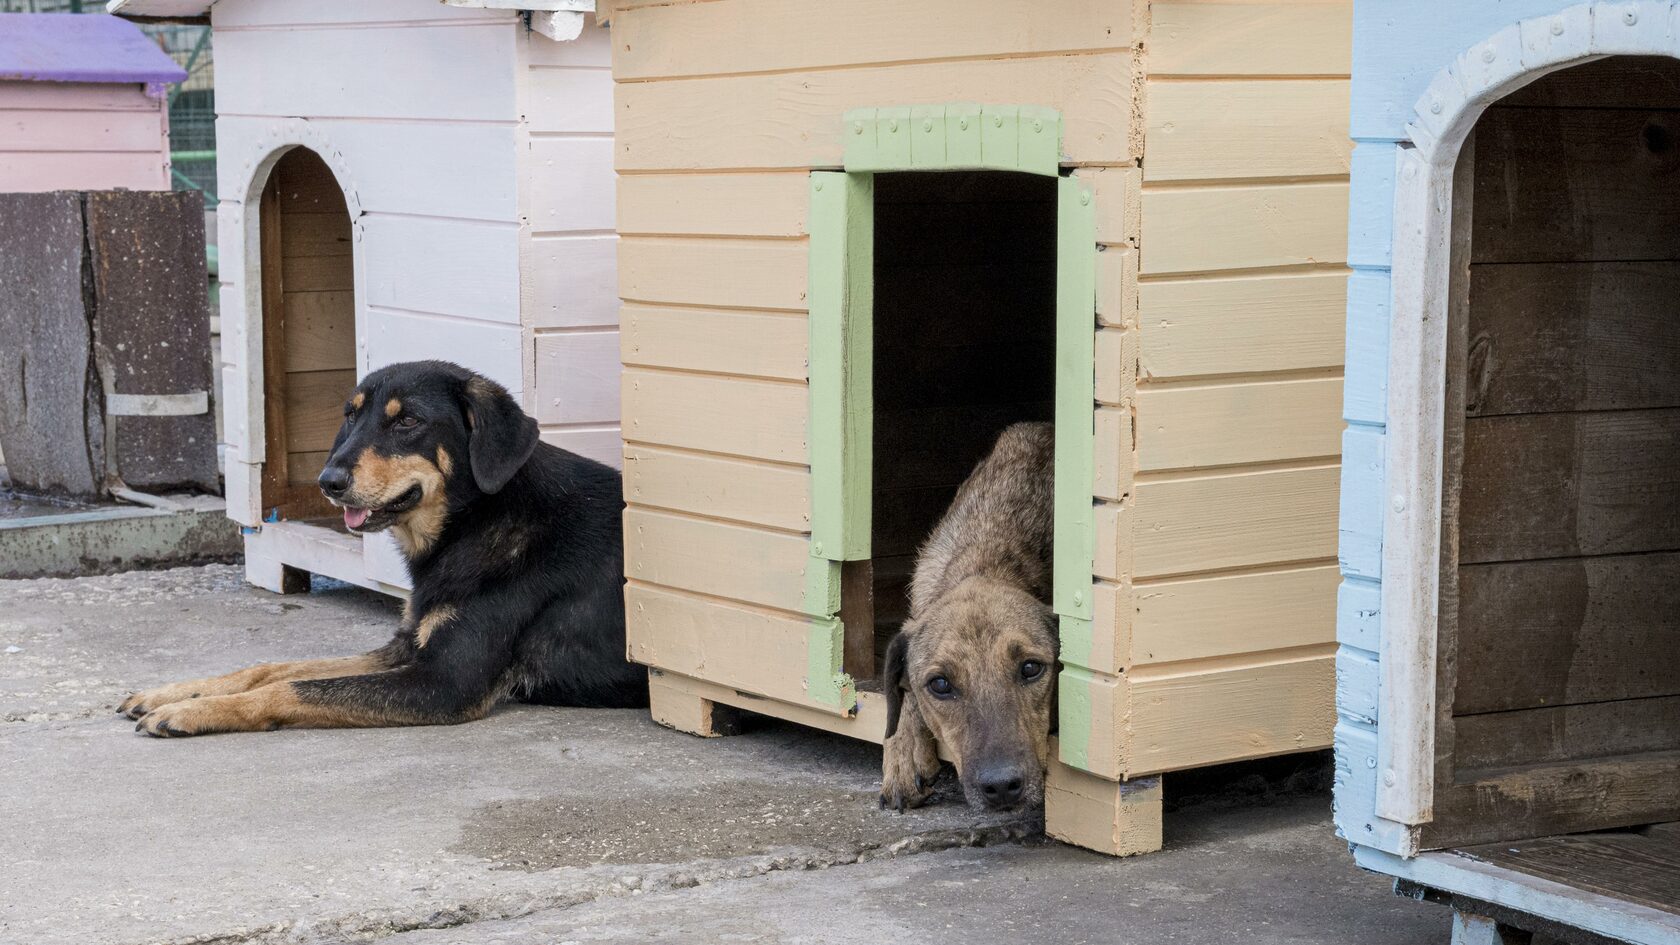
column 892, row 125
column 1557, row 26
column 927, row 125
column 1487, row 55
column 1078, row 598
column 1399, row 503
column 818, row 184
column 1038, row 125
column 1084, row 198
column 816, row 547
column 1435, row 106
column 962, row 123
column 857, row 128
column 1630, row 16
column 1388, row 778
column 997, row 122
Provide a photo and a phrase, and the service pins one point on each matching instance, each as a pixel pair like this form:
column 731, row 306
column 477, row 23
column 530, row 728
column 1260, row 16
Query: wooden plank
column 1555, row 734
column 317, row 274
column 1610, row 329
column 754, row 419
column 87, row 130
column 1519, row 803
column 1189, row 717
column 842, row 400
column 304, row 13
column 737, row 562
column 1219, row 228
column 720, row 341
column 758, row 651
column 320, row 331
column 1592, row 630
column 500, row 352
column 1294, row 38
column 302, row 469
column 1246, row 129
column 1615, row 164
column 1115, row 461
column 569, row 99
column 1232, row 520
column 776, row 35
column 569, row 184
column 747, row 492
column 714, row 204
column 577, row 377
column 314, row 234
column 1282, row 322
column 75, row 96
column 1116, row 352
column 726, row 273
column 1639, row 82
column 464, row 268
column 570, row 282
column 791, row 120
column 1641, row 867
column 1227, row 424
column 1074, row 448
column 314, row 405
column 1200, row 618
column 57, row 170
column 1553, row 485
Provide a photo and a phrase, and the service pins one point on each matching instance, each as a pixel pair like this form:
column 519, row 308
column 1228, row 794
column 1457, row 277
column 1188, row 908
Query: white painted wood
column 569, row 98
column 572, row 282
column 488, row 348
column 448, row 267
column 242, row 489
column 602, row 444
column 593, row 48
column 575, row 6
column 577, row 377
column 234, row 14
column 571, row 184
column 561, row 26
column 1412, row 518
column 382, row 561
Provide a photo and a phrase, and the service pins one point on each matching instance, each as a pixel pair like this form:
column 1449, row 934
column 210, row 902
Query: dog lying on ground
column 516, row 553
column 973, row 668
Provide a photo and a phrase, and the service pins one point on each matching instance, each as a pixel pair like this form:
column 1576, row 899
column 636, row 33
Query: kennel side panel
column 82, row 136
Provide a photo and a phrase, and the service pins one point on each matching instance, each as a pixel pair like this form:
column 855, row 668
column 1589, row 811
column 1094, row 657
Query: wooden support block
column 1469, row 929
column 674, row 705
column 270, row 575
column 1117, row 818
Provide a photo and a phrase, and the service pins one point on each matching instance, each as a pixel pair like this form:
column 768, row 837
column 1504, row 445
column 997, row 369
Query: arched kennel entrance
column 308, row 327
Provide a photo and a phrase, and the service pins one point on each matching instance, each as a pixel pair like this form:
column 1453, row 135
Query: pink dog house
column 82, row 104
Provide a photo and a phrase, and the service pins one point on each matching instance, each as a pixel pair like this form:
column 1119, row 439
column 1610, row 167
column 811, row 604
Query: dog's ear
column 500, row 436
column 892, row 677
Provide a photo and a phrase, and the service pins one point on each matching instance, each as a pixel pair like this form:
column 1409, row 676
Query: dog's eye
column 406, row 423
column 941, row 687
column 1032, row 669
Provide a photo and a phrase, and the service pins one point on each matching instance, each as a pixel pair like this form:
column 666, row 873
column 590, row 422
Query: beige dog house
column 402, row 179
column 857, row 240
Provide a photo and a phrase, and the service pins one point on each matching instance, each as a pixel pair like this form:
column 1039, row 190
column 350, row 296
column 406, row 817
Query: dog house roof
column 67, row 47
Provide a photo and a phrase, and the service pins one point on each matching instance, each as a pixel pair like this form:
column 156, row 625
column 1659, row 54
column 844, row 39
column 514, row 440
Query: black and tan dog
column 973, row 669
column 515, row 551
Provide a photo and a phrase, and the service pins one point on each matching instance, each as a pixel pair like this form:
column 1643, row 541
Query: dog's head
column 980, row 666
column 419, row 439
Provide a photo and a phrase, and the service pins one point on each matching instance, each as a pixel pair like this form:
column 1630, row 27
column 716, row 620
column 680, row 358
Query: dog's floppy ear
column 892, row 677
column 500, row 438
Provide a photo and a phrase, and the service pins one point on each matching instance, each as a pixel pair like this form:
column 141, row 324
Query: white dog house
column 402, row 179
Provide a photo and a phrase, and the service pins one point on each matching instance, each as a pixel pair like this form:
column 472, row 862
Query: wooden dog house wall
column 1206, row 144
column 1510, row 668
column 401, row 179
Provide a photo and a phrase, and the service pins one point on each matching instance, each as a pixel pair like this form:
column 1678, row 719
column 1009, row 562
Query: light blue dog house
column 1508, row 737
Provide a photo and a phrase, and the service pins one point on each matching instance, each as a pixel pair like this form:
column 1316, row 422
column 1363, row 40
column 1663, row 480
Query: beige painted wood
column 722, row 272
column 1117, row 285
column 1217, row 228
column 1116, row 193
column 759, row 651
column 1116, row 458
column 1191, row 717
column 770, row 204
column 674, row 706
column 1246, row 129
column 1226, row 615
column 320, row 331
column 869, row 723
column 781, row 35
column 792, row 120
column 753, row 419
column 1231, row 520
column 738, row 562
column 1119, row 819
column 1289, row 37
column 1116, row 366
column 1274, row 322
column 721, row 341
column 1228, row 424
column 718, row 487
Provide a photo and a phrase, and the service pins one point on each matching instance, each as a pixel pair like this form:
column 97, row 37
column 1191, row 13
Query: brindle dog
column 516, row 553
column 973, row 668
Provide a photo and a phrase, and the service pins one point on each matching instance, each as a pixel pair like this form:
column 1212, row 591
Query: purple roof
column 81, row 47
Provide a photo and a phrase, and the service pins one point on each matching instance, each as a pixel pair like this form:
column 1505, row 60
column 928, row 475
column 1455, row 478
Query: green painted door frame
column 1025, row 139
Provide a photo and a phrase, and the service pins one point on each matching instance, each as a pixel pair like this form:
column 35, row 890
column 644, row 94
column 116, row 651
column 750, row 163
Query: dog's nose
column 1002, row 785
column 335, row 481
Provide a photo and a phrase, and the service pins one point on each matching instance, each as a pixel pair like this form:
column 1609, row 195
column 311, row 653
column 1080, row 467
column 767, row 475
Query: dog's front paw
column 139, row 704
column 908, row 771
column 181, row 719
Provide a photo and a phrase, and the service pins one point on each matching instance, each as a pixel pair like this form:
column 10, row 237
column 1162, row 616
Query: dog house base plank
column 1119, row 819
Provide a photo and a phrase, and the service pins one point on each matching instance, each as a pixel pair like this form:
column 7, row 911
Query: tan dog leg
column 260, row 710
column 909, row 762
column 245, row 680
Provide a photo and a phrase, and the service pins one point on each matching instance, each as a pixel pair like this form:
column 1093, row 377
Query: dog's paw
column 909, row 768
column 177, row 720
column 139, row 704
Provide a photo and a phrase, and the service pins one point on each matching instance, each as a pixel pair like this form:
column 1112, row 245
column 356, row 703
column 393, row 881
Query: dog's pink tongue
column 354, row 517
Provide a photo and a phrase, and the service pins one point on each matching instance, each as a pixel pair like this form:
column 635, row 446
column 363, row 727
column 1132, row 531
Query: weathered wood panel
column 1554, row 485
column 1228, row 424
column 714, row 204
column 1294, row 38
column 1226, row 615
column 777, row 35
column 322, row 332
column 719, row 487
column 720, row 341
column 718, row 559
column 314, row 405
column 1563, row 733
column 1235, row 520
column 755, row 419
column 1284, row 322
column 1592, row 630
column 1246, row 129
column 726, row 273
column 1246, row 227
column 1518, row 803
column 793, row 120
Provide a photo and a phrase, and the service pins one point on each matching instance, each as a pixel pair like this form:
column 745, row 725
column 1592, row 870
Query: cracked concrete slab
column 542, row 824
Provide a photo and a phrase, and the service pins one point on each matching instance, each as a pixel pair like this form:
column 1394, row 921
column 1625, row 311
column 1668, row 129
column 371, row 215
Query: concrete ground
column 553, row 826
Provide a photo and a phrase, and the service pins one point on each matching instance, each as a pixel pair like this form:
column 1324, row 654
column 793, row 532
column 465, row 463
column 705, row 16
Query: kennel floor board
column 1639, row 866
